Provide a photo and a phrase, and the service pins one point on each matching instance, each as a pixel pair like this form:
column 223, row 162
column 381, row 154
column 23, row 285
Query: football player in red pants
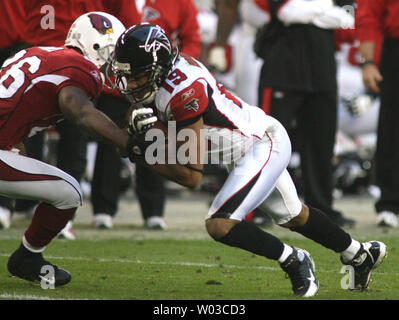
column 39, row 87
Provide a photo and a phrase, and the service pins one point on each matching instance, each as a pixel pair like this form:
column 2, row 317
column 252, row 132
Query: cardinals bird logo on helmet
column 101, row 23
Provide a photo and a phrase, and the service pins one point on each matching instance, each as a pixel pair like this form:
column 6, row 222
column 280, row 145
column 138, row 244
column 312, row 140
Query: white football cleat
column 102, row 221
column 5, row 218
column 387, row 219
column 156, row 223
column 67, row 233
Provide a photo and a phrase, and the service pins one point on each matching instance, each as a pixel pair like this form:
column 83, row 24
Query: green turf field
column 167, row 269
column 183, row 263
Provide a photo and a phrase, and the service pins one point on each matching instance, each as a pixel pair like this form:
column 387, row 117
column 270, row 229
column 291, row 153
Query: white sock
column 286, row 252
column 30, row 247
column 351, row 251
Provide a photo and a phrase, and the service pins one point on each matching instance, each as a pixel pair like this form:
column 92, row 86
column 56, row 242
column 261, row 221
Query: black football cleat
column 300, row 267
column 369, row 257
column 32, row 267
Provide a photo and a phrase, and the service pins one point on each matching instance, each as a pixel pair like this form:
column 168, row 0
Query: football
column 161, row 125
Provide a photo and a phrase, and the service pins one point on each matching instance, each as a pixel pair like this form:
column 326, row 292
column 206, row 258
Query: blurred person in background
column 376, row 19
column 248, row 17
column 358, row 110
column 298, row 86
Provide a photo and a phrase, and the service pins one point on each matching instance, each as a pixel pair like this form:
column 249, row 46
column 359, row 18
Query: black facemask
column 342, row 3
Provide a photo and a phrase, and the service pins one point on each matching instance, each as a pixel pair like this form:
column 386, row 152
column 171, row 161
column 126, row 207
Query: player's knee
column 218, row 227
column 70, row 196
column 299, row 220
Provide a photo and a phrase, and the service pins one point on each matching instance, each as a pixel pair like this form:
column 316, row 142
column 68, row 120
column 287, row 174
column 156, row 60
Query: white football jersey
column 231, row 125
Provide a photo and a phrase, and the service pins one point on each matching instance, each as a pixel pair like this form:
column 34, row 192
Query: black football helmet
column 143, row 51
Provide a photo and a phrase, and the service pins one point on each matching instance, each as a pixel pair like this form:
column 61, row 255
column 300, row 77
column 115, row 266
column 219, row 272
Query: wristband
column 364, row 63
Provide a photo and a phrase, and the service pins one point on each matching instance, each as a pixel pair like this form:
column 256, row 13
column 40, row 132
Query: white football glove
column 141, row 120
column 360, row 105
column 335, row 18
column 303, row 11
column 217, row 58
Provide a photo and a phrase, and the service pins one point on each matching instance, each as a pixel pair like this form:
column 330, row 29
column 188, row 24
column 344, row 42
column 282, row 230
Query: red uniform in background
column 12, row 22
column 65, row 12
column 179, row 19
column 350, row 36
column 375, row 18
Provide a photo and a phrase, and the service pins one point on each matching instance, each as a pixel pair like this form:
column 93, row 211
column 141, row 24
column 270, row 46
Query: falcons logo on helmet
column 156, row 40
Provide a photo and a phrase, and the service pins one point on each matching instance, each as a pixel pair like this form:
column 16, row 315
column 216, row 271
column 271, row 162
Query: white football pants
column 260, row 179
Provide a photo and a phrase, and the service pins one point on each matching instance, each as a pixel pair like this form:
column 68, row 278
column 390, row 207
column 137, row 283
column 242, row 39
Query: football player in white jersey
column 177, row 89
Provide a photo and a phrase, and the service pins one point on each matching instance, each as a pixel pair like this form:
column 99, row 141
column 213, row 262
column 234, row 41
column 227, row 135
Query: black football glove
column 136, row 147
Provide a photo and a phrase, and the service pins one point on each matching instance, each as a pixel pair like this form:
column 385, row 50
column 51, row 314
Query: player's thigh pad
column 26, row 178
column 283, row 204
column 253, row 178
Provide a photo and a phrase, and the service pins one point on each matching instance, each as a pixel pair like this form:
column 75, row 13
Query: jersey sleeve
column 125, row 10
column 86, row 78
column 189, row 33
column 369, row 19
column 189, row 103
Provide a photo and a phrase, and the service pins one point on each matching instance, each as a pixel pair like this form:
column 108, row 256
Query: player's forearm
column 101, row 128
column 189, row 175
column 179, row 174
column 78, row 108
column 176, row 173
column 227, row 13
